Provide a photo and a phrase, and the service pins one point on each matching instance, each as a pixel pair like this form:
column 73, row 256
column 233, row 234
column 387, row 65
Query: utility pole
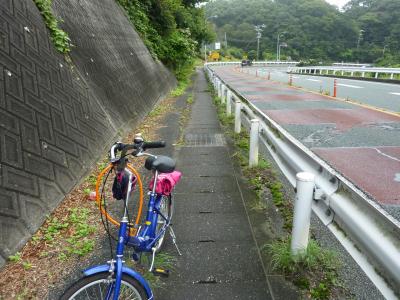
column 226, row 42
column 258, row 29
column 205, row 43
column 278, row 56
column 360, row 36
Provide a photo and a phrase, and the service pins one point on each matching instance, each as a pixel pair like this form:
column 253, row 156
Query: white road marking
column 398, row 94
column 351, row 86
column 295, row 77
column 386, row 155
column 314, row 80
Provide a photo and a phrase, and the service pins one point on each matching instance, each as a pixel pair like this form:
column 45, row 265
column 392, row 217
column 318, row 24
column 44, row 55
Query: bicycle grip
column 158, row 144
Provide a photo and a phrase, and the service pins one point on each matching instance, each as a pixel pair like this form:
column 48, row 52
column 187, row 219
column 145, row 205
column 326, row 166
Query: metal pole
column 228, row 102
column 253, row 152
column 334, row 87
column 277, row 50
column 302, row 212
column 258, row 44
column 279, row 53
column 238, row 121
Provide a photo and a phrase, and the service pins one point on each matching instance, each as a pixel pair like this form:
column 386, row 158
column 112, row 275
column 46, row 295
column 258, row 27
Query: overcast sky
column 339, row 3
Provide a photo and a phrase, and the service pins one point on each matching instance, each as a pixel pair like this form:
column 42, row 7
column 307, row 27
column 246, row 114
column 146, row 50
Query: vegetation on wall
column 59, row 37
column 364, row 31
column 172, row 30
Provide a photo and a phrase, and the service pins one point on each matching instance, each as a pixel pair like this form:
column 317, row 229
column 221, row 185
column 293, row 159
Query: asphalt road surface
column 377, row 94
column 361, row 143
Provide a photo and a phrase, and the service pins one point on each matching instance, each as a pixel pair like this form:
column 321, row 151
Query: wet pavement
column 220, row 256
column 361, row 143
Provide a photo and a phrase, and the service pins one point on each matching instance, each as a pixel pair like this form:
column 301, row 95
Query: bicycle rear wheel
column 96, row 286
column 166, row 208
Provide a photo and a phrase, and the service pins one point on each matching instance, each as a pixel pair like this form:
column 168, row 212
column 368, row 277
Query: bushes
column 172, row 30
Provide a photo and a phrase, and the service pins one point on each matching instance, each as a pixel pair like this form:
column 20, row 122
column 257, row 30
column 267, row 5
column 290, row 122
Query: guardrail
column 255, row 63
column 351, row 71
column 366, row 231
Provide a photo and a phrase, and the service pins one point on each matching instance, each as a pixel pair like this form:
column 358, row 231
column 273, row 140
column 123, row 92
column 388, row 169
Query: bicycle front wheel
column 96, row 287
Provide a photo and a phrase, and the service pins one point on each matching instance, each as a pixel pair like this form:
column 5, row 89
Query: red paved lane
column 376, row 170
column 344, row 119
column 363, row 145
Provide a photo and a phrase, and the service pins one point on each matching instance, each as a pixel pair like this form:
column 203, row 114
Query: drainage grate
column 204, row 140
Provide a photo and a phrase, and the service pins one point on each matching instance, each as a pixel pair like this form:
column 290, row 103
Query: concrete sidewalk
column 220, row 255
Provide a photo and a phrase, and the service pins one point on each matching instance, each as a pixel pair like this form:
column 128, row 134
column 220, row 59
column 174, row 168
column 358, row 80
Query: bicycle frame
column 146, row 237
column 144, row 241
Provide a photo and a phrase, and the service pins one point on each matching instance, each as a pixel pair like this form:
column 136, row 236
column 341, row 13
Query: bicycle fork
column 116, row 265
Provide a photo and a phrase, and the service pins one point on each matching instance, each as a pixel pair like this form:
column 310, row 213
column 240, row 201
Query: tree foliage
column 172, row 30
column 313, row 29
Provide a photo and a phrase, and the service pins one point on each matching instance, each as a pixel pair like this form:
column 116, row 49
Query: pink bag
column 166, row 182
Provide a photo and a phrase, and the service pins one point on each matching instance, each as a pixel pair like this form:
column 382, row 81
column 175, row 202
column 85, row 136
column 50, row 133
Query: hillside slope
column 57, row 117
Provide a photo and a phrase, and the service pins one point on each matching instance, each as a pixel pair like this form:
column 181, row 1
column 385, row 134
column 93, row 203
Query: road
column 361, row 143
column 377, row 94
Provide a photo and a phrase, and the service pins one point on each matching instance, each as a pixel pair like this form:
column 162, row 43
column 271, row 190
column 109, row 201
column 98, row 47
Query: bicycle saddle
column 162, row 164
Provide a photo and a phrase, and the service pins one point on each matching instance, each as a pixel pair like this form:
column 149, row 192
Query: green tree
column 172, row 30
column 313, row 29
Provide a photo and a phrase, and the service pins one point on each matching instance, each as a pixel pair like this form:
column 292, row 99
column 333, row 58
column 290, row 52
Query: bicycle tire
column 166, row 208
column 84, row 288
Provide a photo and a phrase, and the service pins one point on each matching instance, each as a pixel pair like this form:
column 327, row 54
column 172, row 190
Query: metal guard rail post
column 357, row 221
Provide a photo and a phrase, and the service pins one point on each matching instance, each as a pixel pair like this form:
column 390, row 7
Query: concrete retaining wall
column 56, row 118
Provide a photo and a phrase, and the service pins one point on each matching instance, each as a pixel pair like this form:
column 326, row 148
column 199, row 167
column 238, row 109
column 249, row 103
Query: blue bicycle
column 115, row 280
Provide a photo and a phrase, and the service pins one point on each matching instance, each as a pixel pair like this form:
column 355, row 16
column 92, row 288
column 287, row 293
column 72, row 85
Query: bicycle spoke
column 101, row 292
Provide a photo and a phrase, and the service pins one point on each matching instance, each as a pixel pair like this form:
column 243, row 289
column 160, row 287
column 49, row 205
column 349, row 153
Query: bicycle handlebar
column 158, row 144
column 139, row 146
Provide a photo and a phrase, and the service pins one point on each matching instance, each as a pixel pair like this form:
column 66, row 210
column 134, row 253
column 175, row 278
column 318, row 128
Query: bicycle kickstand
column 153, row 250
column 173, row 236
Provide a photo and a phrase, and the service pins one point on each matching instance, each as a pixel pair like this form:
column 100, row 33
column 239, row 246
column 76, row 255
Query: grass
column 180, row 89
column 75, row 232
column 183, row 76
column 15, row 258
column 314, row 271
column 163, row 261
column 159, row 110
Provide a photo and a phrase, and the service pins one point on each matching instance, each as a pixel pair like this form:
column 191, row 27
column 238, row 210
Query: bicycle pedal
column 160, row 272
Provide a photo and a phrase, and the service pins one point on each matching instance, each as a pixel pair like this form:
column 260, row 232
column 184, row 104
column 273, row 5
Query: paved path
column 220, row 258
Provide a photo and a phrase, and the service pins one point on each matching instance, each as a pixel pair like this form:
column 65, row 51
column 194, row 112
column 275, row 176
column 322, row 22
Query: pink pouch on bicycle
column 166, row 182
